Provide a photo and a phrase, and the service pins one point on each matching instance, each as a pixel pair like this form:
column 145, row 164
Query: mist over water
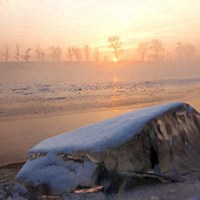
column 95, row 72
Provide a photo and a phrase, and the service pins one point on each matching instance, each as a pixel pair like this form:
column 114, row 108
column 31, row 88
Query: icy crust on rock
column 107, row 134
column 161, row 141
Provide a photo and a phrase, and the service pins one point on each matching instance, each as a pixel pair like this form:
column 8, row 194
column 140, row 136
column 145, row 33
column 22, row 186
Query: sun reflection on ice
column 115, row 79
column 114, row 99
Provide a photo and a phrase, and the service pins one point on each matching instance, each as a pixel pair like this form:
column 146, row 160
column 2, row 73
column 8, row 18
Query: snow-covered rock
column 159, row 142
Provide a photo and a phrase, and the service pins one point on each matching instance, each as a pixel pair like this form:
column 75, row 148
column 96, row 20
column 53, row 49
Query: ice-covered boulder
column 159, row 142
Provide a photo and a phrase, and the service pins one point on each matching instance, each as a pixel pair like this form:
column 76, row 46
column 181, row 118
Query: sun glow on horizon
column 78, row 23
column 115, row 60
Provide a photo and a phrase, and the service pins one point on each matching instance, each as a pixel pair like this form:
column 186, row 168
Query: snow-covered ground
column 57, row 97
column 189, row 190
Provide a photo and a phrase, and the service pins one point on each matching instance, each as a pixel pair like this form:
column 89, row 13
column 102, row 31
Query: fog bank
column 94, row 72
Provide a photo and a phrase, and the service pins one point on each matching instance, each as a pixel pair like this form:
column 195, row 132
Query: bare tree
column 157, row 49
column 87, row 52
column 116, row 45
column 17, row 53
column 5, row 52
column 167, row 56
column 74, row 52
column 96, row 54
column 42, row 56
column 27, row 55
column 185, row 51
column 180, row 49
column 77, row 52
column 189, row 50
column 105, row 58
column 142, row 49
column 53, row 53
column 69, row 53
column 39, row 54
column 56, row 53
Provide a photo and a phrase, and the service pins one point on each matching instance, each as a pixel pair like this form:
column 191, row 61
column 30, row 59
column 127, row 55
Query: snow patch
column 107, row 134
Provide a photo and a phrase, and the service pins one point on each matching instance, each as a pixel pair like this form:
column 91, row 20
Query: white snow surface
column 106, row 134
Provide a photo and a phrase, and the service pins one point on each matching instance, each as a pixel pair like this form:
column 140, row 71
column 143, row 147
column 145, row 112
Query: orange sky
column 80, row 22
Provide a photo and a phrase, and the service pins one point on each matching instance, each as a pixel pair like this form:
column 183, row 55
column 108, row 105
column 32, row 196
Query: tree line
column 153, row 50
column 55, row 53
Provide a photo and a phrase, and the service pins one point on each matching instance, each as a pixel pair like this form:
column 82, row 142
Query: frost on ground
column 156, row 143
column 20, row 99
column 8, row 188
column 10, row 191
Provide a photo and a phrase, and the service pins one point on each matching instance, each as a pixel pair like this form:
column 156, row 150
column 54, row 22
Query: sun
column 115, row 60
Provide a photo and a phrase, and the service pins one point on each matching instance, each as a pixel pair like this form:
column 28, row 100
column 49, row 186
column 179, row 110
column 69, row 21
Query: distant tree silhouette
column 105, row 58
column 116, row 45
column 185, row 51
column 167, row 57
column 27, row 55
column 96, row 54
column 42, row 56
column 87, row 52
column 39, row 54
column 142, row 49
column 189, row 50
column 17, row 53
column 5, row 52
column 69, row 53
column 180, row 49
column 53, row 53
column 157, row 49
column 77, row 52
column 56, row 53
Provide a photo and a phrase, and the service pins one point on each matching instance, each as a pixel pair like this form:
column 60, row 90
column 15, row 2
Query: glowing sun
column 115, row 60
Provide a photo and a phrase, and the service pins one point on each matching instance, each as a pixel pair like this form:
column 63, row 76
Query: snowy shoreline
column 187, row 190
column 57, row 98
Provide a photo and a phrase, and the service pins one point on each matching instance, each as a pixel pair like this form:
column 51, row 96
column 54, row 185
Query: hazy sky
column 72, row 22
